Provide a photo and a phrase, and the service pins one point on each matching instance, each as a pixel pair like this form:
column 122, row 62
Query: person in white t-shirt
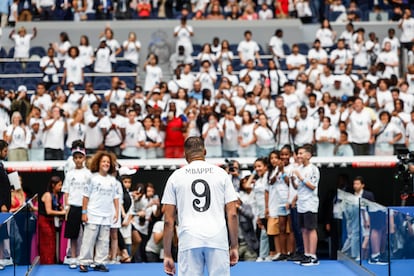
column 50, row 66
column 406, row 24
column 73, row 186
column 295, row 62
column 153, row 72
column 183, row 33
column 204, row 197
column 103, row 63
column 112, row 43
column 341, row 57
column 62, row 47
column 93, row 133
column 113, row 130
column 86, row 52
column 326, row 136
column 131, row 49
column 18, row 136
column 306, row 181
column 212, row 134
column 305, row 127
column 386, row 134
column 231, row 127
column 248, row 49
column 22, row 42
column 76, row 130
column 326, row 34
column 133, row 145
column 409, row 133
column 54, row 135
column 99, row 200
column 73, row 68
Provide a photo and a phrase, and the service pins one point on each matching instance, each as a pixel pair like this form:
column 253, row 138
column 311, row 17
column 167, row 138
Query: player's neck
column 196, row 158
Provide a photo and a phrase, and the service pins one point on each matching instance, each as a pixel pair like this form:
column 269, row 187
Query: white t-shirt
column 21, row 136
column 134, row 133
column 93, row 135
column 407, row 30
column 213, row 137
column 43, row 102
column 305, row 129
column 359, row 127
column 74, row 70
column 341, row 56
column 230, row 133
column 55, row 136
column 117, row 96
column 325, row 36
column 265, row 137
column 103, row 60
column 21, row 45
column 74, row 184
column 200, row 192
column 308, row 200
column 113, row 44
column 151, row 245
column 50, row 68
column 113, row 136
column 259, row 196
column 317, row 54
column 277, row 46
column 75, row 132
column 131, row 53
column 248, row 50
column 281, row 131
column 63, row 47
column 101, row 191
column 295, row 60
column 153, row 75
column 86, row 54
column 184, row 38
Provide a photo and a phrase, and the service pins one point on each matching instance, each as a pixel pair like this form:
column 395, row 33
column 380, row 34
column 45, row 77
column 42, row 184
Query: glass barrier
column 18, row 239
column 347, row 208
column 374, row 246
column 401, row 240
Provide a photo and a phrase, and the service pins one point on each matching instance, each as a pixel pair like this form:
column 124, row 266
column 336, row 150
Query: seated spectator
column 265, row 13
column 86, row 51
column 304, row 11
column 215, row 13
column 249, row 14
column 180, row 58
column 144, row 9
column 103, row 9
column 79, row 10
column 248, row 49
column 282, row 8
column 234, row 12
column 45, row 9
column 25, row 10
column 22, row 42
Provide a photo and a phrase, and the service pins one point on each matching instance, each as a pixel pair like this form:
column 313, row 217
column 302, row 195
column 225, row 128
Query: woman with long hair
column 18, row 136
column 50, row 209
column 246, row 138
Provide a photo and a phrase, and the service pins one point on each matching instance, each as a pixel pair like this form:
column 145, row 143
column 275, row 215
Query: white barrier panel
column 172, row 164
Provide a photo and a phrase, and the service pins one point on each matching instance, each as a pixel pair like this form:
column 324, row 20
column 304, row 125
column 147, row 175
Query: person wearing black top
column 5, row 195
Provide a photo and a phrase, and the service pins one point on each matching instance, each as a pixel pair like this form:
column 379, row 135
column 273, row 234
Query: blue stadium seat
column 12, row 68
column 196, row 49
column 9, row 83
column 333, row 15
column 38, row 51
column 3, row 53
column 31, row 83
column 10, row 54
column 102, row 83
column 32, row 67
column 129, row 80
column 303, row 48
column 282, row 63
column 233, row 48
column 286, row 49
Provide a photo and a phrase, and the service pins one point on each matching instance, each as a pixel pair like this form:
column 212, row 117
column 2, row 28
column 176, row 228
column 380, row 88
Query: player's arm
column 169, row 219
column 233, row 225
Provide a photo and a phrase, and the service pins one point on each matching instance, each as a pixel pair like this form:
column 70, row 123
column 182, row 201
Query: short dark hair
column 359, row 178
column 3, row 144
column 193, row 145
column 307, row 148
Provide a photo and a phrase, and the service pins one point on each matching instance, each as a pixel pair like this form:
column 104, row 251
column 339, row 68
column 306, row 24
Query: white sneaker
column 73, row 266
column 67, row 260
column 260, row 259
column 268, row 258
column 274, row 257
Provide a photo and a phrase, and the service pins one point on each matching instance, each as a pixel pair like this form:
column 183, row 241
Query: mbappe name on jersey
column 198, row 170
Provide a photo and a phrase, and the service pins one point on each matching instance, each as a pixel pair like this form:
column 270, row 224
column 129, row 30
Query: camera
column 229, row 165
column 404, row 159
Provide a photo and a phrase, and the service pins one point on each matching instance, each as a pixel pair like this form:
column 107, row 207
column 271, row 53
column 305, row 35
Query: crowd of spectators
column 346, row 95
column 307, row 11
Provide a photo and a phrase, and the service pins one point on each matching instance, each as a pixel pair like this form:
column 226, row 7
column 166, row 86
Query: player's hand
column 234, row 256
column 169, row 266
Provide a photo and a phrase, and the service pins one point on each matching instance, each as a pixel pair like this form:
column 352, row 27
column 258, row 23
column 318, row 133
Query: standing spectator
column 295, row 62
column 406, row 24
column 359, row 52
column 4, row 12
column 307, row 182
column 5, row 196
column 133, row 145
column 276, row 78
column 131, row 49
column 304, row 128
column 246, row 139
column 111, row 42
column 54, row 131
column 5, row 105
column 318, row 53
column 22, row 42
column 73, row 187
column 25, row 10
column 98, row 204
column 249, row 13
column 265, row 13
column 215, row 12
column 36, row 146
column 212, row 134
column 76, row 130
column 265, row 141
column 102, row 55
column 79, row 10
column 73, row 68
column 86, row 53
column 183, row 33
column 103, row 9
column 144, row 9
column 276, row 46
column 326, row 34
column 46, row 9
column 175, row 127
column 50, row 208
column 386, row 134
column 200, row 219
column 153, row 72
column 340, row 57
column 113, row 130
column 248, row 49
column 62, row 47
column 283, row 129
column 359, row 124
column 18, row 136
column 14, row 13
column 373, row 48
column 93, row 133
column 390, row 59
column 116, row 94
column 343, row 147
column 153, row 140
column 393, row 40
column 230, row 124
column 50, row 66
column 325, row 137
column 409, row 133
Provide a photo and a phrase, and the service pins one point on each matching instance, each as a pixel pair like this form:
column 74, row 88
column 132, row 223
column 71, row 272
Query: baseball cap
column 126, row 171
column 22, row 88
column 78, row 150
